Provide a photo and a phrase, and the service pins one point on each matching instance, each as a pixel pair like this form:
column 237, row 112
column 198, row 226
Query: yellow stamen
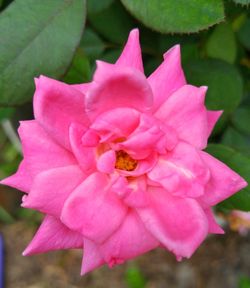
column 124, row 161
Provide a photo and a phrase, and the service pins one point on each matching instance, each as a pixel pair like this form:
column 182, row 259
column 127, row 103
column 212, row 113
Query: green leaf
column 189, row 52
column 92, row 44
column 225, row 85
column 242, row 2
column 6, row 113
column 244, row 34
column 176, row 16
column 238, row 20
column 96, row 6
column 236, row 140
column 79, row 70
column 134, row 278
column 239, row 163
column 241, row 119
column 37, row 37
column 222, row 43
column 5, row 217
column 113, row 23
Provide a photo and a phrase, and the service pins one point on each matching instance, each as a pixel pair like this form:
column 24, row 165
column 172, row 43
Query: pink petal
column 85, row 155
column 53, row 235
column 142, row 142
column 131, row 54
column 223, row 182
column 106, row 162
column 119, row 185
column 51, row 188
column 212, row 118
column 92, row 257
column 21, row 180
column 90, row 138
column 181, row 172
column 168, row 77
column 116, row 123
column 56, row 106
column 213, row 227
column 178, row 223
column 93, row 210
column 186, row 113
column 168, row 141
column 40, row 153
column 129, row 241
column 83, row 88
column 137, row 194
column 116, row 87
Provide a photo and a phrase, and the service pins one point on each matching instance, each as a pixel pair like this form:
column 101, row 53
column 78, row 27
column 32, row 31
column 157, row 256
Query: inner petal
column 116, row 123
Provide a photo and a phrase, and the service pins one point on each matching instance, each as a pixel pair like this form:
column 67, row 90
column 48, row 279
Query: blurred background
column 62, row 39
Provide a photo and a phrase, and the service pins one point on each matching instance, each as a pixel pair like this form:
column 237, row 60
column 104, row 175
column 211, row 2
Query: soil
column 219, row 262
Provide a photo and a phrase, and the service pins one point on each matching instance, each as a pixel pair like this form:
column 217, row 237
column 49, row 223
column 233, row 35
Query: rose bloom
column 117, row 166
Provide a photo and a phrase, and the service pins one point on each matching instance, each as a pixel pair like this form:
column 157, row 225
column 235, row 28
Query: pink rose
column 117, row 166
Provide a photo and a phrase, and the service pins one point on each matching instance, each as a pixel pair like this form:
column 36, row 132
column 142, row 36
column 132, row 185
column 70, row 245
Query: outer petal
column 115, row 87
column 131, row 54
column 51, row 188
column 182, row 171
column 223, row 182
column 129, row 241
column 40, row 153
column 168, row 77
column 185, row 111
column 83, row 88
column 93, row 210
column 56, row 106
column 212, row 118
column 178, row 223
column 213, row 227
column 92, row 257
column 53, row 235
column 84, row 155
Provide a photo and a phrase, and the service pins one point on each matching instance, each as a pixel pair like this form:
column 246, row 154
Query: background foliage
column 62, row 39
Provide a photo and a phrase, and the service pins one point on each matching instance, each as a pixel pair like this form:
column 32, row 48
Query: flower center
column 124, row 161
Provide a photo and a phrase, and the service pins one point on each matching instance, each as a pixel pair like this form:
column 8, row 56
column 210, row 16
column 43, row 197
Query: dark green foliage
column 176, row 16
column 37, row 37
